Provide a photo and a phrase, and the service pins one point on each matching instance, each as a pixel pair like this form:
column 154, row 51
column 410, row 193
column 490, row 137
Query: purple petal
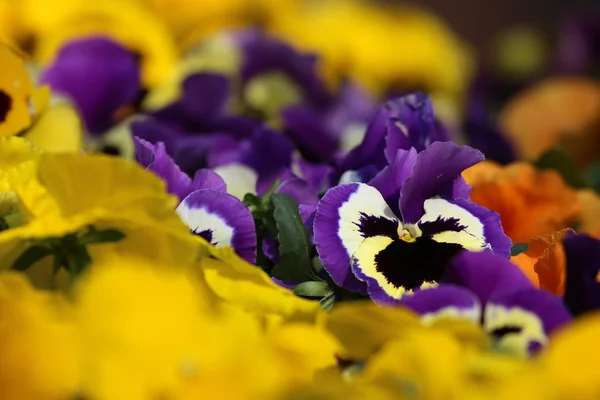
column 485, row 274
column 308, row 130
column 434, row 174
column 225, row 218
column 411, row 124
column 271, row 251
column 299, row 190
column 363, row 175
column 270, row 154
column 444, row 300
column 154, row 131
column 317, row 175
column 205, row 95
column 370, row 151
column 353, row 106
column 155, row 159
column 522, row 320
column 307, row 213
column 549, row 308
column 285, row 285
column 264, row 54
column 582, row 292
column 481, row 131
column 390, row 180
column 345, row 216
column 207, row 179
column 99, row 75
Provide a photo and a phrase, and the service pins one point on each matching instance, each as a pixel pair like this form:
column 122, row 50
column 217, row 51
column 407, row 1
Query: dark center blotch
column 441, row 225
column 499, row 333
column 206, row 234
column 111, row 150
column 371, row 225
column 5, row 105
column 410, row 264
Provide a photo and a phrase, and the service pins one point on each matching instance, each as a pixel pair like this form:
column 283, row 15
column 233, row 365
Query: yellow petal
column 363, row 327
column 57, row 130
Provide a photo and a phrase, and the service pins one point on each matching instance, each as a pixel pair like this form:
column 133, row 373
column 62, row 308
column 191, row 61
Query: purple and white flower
column 396, row 234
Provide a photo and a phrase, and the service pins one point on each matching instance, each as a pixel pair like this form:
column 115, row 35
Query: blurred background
column 481, row 23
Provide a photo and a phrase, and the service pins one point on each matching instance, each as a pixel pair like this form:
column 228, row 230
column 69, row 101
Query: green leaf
column 78, row 260
column 312, row 289
column 251, row 201
column 266, row 198
column 101, row 236
column 562, row 163
column 30, row 257
column 518, row 248
column 294, row 244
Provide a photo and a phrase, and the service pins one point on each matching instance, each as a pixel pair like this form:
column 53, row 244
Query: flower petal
column 345, row 216
column 205, row 95
column 392, row 267
column 99, row 75
column 582, row 291
column 389, row 180
column 435, row 172
column 447, row 220
column 444, row 301
column 239, row 178
column 484, row 273
column 221, row 219
column 522, row 320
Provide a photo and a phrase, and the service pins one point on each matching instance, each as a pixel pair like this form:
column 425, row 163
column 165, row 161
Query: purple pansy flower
column 319, row 133
column 483, row 287
column 264, row 54
column 481, row 130
column 367, row 247
column 205, row 207
column 582, row 289
column 400, row 124
column 99, row 75
column 577, row 48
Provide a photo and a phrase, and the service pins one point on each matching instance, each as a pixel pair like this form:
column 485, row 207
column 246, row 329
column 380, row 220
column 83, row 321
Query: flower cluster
column 260, row 191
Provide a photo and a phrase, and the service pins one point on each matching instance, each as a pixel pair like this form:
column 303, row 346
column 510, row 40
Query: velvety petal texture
column 155, row 159
column 444, row 301
column 522, row 320
column 484, row 273
column 582, row 292
column 435, row 173
column 99, row 75
column 222, row 220
column 345, row 216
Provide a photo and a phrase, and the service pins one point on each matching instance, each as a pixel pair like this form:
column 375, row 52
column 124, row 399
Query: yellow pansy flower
column 38, row 343
column 77, row 191
column 20, row 100
column 378, row 45
column 363, row 327
column 249, row 287
column 570, row 358
column 18, row 159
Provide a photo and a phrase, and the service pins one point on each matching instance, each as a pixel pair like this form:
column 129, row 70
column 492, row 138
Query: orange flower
column 562, row 111
column 530, row 202
column 545, row 261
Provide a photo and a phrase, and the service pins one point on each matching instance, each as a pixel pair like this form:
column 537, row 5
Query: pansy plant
column 396, row 234
column 205, row 207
